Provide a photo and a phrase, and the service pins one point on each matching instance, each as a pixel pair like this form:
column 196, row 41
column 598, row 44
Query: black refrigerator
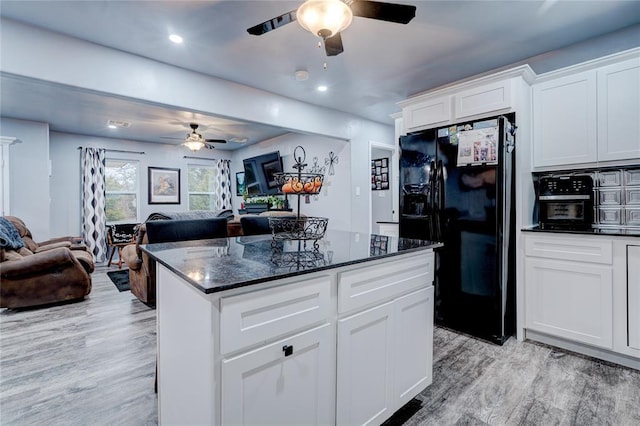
column 457, row 187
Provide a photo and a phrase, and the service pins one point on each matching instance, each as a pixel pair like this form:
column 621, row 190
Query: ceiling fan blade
column 273, row 24
column 333, row 45
column 391, row 12
column 216, row 140
column 168, row 137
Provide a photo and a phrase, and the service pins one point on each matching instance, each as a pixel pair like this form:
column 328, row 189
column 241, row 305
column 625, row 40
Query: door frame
column 393, row 180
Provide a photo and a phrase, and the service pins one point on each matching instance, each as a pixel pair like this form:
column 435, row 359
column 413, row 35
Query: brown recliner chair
column 52, row 271
column 142, row 269
column 50, row 276
column 73, row 243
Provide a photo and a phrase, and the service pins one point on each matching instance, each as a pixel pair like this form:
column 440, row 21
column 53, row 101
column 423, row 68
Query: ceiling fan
column 327, row 18
column 194, row 140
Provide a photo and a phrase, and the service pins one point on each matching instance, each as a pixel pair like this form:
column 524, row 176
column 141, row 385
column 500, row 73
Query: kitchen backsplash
column 616, row 195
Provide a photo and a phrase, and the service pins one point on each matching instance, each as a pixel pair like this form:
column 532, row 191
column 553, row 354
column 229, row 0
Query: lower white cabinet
column 583, row 293
column 633, row 295
column 570, row 299
column 285, row 383
column 384, row 358
column 364, row 367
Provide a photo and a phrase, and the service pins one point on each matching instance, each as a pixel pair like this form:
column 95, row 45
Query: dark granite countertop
column 225, row 263
column 612, row 232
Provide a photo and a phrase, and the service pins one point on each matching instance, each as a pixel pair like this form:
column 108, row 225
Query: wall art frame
column 164, row 185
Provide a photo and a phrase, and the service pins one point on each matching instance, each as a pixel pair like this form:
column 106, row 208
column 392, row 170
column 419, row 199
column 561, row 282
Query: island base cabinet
column 288, row 382
column 413, row 345
column 572, row 300
column 384, row 358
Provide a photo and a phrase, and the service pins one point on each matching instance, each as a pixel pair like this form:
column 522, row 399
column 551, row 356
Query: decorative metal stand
column 299, row 183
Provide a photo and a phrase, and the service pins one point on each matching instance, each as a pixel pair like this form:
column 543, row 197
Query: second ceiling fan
column 327, row 18
column 194, row 140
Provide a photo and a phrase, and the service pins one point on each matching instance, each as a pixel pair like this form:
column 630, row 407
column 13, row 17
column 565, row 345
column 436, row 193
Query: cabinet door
column 364, row 393
column 570, row 299
column 426, row 113
column 564, row 121
column 633, row 296
column 483, row 99
column 413, row 346
column 268, row 387
column 619, row 111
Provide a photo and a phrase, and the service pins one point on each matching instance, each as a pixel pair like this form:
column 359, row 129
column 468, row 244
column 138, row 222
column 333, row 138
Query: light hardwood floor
column 93, row 363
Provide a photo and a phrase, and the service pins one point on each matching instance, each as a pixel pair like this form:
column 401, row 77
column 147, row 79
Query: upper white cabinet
column 483, row 99
column 588, row 116
column 467, row 100
column 564, row 120
column 429, row 112
column 619, row 111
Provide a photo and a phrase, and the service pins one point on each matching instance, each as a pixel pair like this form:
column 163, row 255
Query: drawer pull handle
column 287, row 349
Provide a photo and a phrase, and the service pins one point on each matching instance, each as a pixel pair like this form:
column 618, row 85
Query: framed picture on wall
column 380, row 174
column 164, row 185
column 239, row 183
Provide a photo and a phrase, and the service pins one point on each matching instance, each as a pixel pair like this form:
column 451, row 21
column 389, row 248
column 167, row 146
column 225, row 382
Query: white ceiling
column 382, row 62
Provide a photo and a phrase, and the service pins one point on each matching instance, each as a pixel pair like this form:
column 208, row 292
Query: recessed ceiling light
column 175, row 38
column 302, row 75
column 322, row 88
column 113, row 124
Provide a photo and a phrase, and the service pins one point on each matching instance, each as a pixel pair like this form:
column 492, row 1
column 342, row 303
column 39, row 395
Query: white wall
column 334, row 201
column 29, row 178
column 66, row 177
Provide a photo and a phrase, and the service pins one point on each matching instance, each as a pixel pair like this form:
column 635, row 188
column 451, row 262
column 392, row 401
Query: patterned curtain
column 94, row 218
column 222, row 186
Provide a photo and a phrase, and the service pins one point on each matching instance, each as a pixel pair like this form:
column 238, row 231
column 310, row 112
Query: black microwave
column 565, row 202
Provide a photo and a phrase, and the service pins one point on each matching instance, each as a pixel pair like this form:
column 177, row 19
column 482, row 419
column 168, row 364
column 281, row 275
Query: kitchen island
column 256, row 332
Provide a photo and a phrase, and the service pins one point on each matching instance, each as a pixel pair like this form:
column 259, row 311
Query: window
column 121, row 184
column 201, row 187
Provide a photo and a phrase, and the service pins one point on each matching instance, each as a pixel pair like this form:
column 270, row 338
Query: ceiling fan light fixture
column 324, row 18
column 194, row 145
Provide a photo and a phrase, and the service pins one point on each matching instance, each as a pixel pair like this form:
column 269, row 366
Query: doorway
column 383, row 191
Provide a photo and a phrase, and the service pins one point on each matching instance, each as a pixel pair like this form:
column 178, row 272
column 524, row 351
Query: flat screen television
column 259, row 174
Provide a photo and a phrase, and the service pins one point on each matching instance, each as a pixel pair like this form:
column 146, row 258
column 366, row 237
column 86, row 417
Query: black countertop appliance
column 456, row 186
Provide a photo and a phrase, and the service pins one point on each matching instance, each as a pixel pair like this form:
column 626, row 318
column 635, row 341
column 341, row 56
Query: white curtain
column 222, row 186
column 94, row 218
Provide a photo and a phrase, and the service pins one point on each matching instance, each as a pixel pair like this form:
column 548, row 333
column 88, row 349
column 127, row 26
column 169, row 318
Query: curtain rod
column 122, row 150
column 200, row 158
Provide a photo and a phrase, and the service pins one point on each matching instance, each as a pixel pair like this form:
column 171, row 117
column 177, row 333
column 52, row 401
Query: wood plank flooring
column 93, row 363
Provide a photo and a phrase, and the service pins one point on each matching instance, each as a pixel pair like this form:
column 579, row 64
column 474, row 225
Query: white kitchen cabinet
column 285, row 383
column 364, row 379
column 572, row 300
column 384, row 358
column 483, row 99
column 582, row 293
column 619, row 111
column 564, row 120
column 413, row 345
column 633, row 297
column 427, row 113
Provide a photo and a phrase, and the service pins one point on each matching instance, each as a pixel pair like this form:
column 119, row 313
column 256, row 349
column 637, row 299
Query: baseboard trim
column 580, row 348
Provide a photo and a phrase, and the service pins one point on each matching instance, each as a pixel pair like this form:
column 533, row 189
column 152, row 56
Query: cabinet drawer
column 363, row 286
column 565, row 248
column 251, row 318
